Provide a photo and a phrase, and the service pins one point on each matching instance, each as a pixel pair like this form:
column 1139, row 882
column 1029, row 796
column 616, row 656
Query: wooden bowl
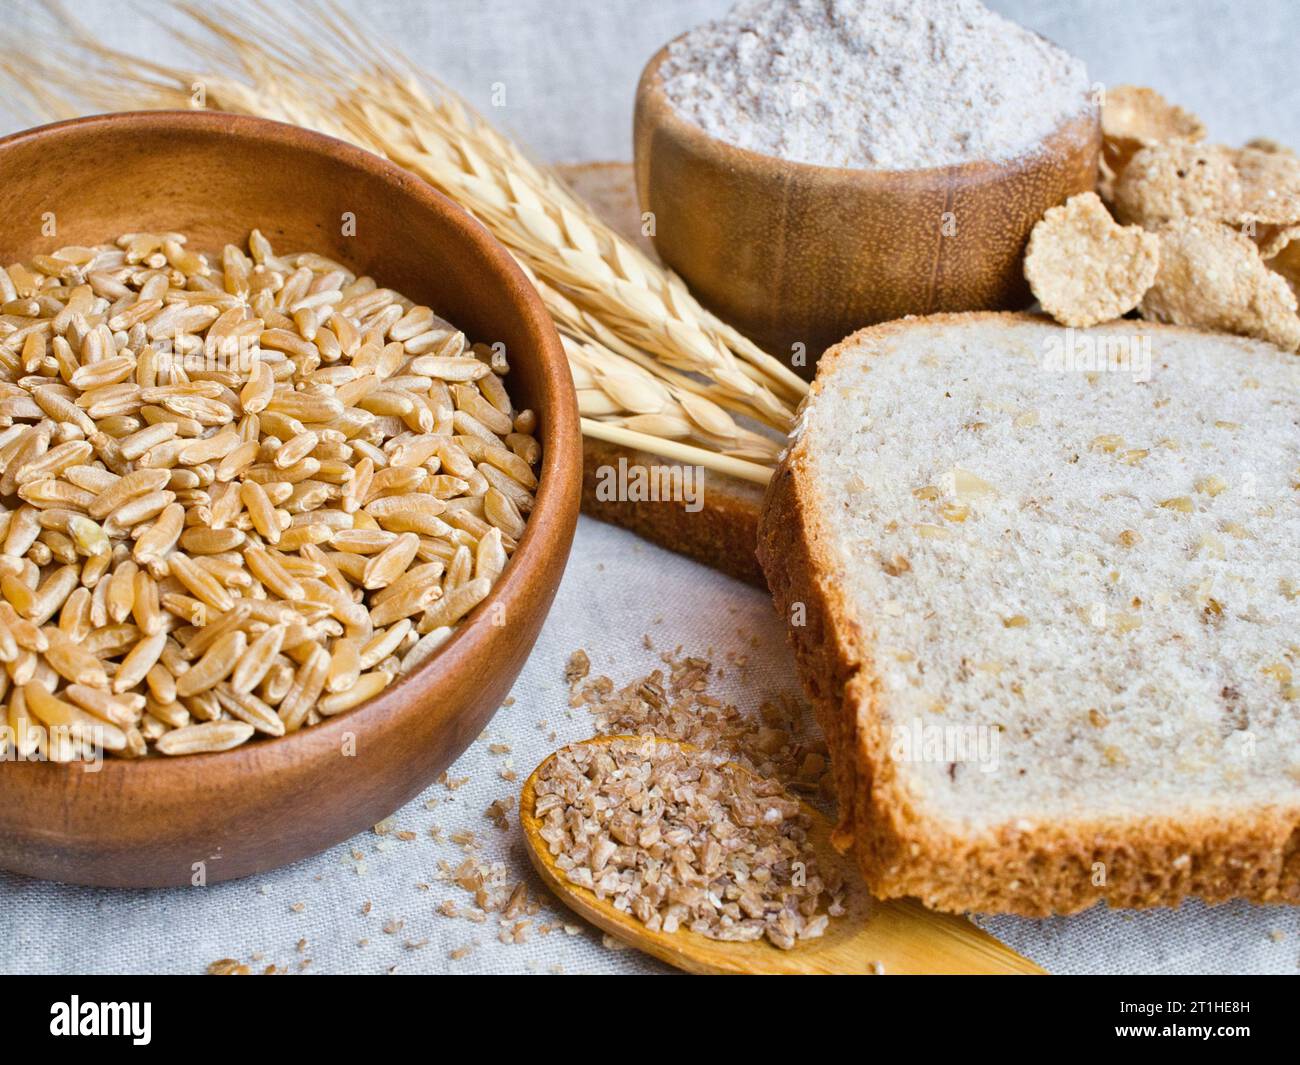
column 216, row 816
column 797, row 254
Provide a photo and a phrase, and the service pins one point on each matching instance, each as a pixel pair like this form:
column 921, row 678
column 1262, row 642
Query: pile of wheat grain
column 235, row 498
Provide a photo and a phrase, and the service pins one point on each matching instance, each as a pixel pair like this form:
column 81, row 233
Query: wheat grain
column 198, row 739
column 244, row 706
column 255, row 663
column 214, row 666
column 365, row 687
column 124, row 712
column 137, row 662
column 72, row 662
column 179, row 572
column 489, row 555
column 305, row 689
column 502, row 512
column 58, row 714
column 423, row 649
column 391, row 562
column 384, row 643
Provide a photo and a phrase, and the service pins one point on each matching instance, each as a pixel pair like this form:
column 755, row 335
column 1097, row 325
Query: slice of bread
column 1047, row 609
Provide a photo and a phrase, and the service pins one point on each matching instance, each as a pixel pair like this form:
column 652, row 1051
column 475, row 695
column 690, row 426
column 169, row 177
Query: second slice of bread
column 1046, row 606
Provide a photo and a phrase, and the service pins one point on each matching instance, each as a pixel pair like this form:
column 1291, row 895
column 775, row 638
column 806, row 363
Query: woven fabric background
column 569, row 68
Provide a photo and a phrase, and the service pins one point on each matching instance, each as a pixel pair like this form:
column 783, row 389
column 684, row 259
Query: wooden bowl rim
column 653, row 101
column 557, row 497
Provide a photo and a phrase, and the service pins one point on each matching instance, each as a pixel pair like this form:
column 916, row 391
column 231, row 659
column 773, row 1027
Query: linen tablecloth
column 371, row 905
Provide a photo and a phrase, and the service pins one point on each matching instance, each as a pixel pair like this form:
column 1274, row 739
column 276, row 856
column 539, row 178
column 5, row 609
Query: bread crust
column 1033, row 870
column 722, row 534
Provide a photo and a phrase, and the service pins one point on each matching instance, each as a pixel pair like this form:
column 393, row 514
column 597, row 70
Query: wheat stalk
column 672, row 449
column 651, row 363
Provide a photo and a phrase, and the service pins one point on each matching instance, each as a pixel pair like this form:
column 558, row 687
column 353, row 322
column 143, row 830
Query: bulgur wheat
column 684, row 839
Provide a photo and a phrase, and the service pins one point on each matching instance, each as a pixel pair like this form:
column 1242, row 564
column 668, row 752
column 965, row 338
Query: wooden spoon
column 902, row 937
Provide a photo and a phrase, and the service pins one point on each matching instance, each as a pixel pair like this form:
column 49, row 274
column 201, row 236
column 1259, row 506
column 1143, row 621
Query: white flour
column 879, row 84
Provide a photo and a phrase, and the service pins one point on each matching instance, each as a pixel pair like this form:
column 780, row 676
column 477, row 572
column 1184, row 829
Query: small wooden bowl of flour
column 796, row 254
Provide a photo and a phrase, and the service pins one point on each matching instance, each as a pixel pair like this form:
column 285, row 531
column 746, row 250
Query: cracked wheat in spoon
column 714, row 869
